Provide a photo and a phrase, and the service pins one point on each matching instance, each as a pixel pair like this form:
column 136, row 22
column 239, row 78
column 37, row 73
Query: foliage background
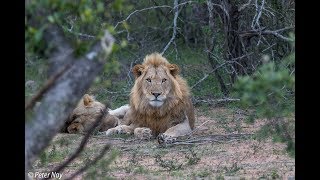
column 236, row 50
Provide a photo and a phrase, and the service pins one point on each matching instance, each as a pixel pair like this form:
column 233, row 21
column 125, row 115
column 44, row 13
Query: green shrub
column 270, row 93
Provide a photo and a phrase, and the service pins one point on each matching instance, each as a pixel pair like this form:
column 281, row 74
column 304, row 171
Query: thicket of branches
column 248, row 44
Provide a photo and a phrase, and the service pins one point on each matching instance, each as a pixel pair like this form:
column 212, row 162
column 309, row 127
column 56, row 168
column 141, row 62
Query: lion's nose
column 156, row 94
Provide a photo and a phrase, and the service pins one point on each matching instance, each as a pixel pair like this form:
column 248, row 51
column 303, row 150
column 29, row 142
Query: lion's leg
column 143, row 133
column 120, row 112
column 172, row 133
column 121, row 129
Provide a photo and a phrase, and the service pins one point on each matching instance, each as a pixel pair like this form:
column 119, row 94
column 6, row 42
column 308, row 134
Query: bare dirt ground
column 222, row 147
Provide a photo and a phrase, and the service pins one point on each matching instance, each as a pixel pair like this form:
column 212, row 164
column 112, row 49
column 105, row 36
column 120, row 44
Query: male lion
column 160, row 104
column 87, row 111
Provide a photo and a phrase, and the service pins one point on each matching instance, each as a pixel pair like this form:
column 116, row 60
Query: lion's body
column 159, row 99
column 160, row 121
column 87, row 111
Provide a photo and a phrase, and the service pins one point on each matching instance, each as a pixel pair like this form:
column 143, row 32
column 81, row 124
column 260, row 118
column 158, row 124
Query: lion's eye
column 164, row 80
column 148, row 79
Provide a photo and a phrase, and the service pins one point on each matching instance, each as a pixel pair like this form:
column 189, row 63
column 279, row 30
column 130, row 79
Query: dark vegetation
column 237, row 54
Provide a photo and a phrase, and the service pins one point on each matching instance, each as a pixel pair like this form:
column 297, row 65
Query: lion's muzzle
column 156, row 103
column 157, row 99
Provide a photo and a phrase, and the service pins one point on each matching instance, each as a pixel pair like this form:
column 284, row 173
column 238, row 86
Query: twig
column 187, row 2
column 257, row 16
column 49, row 83
column 148, row 8
column 117, row 92
column 190, row 133
column 269, row 47
column 83, row 142
column 223, row 8
column 163, row 14
column 59, row 101
column 212, row 138
column 221, row 65
column 278, row 35
column 103, row 151
column 206, row 75
column 216, row 101
column 176, row 13
column 292, row 72
column 267, row 32
column 244, row 5
column 87, row 36
column 140, row 10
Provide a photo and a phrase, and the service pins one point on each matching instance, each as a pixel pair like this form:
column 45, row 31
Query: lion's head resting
column 157, row 84
column 86, row 113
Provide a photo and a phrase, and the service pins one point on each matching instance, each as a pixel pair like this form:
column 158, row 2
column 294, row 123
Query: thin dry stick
column 46, row 87
column 244, row 5
column 190, row 133
column 176, row 13
column 140, row 10
column 81, row 170
column 205, row 76
column 83, row 142
column 211, row 138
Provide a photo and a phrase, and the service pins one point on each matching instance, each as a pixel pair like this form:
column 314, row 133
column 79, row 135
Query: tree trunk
column 61, row 99
column 234, row 49
column 212, row 43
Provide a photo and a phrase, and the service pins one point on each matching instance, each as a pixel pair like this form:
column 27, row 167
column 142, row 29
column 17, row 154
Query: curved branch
column 87, row 165
column 267, row 32
column 174, row 27
column 62, row 97
column 140, row 10
column 83, row 142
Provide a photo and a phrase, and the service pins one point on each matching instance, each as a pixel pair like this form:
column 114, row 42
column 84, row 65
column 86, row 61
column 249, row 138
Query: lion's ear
column 87, row 99
column 137, row 70
column 174, row 69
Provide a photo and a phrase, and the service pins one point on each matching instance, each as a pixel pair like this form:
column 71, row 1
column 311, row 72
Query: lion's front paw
column 166, row 139
column 143, row 133
column 115, row 130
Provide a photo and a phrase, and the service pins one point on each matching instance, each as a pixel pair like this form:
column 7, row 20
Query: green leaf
column 117, row 5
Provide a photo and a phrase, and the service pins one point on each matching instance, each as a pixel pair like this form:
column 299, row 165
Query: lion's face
column 84, row 114
column 156, row 85
column 75, row 127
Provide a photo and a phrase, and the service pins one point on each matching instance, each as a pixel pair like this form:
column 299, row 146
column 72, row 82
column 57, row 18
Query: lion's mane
column 176, row 106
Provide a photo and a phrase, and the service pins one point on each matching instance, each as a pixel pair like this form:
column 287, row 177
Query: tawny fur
column 120, row 112
column 176, row 106
column 87, row 111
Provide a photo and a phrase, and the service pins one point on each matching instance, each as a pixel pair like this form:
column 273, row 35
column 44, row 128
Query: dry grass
column 240, row 158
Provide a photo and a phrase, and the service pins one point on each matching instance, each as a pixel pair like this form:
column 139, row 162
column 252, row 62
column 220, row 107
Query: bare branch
column 46, row 86
column 84, row 141
column 222, row 7
column 81, row 35
column 61, row 55
column 176, row 5
column 187, row 2
column 196, row 129
column 87, row 165
column 267, row 32
column 244, row 5
column 206, row 75
column 136, row 11
column 275, row 33
column 163, row 13
column 58, row 102
column 215, row 101
column 211, row 139
column 176, row 13
column 255, row 21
